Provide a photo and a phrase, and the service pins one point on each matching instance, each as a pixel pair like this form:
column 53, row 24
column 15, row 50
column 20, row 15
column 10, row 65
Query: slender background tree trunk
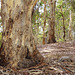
column 63, row 28
column 44, row 22
column 70, row 26
column 64, row 33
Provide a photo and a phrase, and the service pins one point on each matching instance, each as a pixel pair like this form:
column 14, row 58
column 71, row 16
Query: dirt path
column 60, row 59
column 60, row 56
column 58, row 49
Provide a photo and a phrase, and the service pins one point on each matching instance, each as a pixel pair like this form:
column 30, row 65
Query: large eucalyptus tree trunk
column 51, row 29
column 18, row 48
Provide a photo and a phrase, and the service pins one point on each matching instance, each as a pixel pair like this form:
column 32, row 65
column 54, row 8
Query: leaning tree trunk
column 51, row 29
column 18, row 48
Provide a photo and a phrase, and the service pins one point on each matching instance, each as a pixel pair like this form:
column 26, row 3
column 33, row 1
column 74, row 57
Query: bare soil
column 59, row 58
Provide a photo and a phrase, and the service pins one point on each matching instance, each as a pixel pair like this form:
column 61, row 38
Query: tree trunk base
column 51, row 41
column 35, row 59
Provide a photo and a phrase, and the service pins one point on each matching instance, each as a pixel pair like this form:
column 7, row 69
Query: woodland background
column 42, row 30
column 63, row 9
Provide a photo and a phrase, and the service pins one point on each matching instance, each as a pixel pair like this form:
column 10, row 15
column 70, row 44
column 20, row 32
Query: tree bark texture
column 51, row 29
column 18, row 47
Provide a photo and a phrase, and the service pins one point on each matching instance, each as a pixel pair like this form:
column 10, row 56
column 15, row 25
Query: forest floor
column 60, row 59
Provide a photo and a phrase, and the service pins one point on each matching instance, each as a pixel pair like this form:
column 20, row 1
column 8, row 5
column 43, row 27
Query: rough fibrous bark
column 51, row 29
column 18, row 47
